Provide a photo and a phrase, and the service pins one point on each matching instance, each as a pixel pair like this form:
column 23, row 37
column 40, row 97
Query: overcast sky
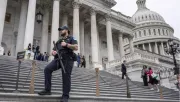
column 169, row 9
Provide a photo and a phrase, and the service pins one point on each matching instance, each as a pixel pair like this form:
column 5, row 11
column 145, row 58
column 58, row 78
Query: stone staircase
column 112, row 88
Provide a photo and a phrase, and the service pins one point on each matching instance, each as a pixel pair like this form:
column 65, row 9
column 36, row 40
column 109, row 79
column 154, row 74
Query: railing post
column 160, row 88
column 31, row 87
column 17, row 81
column 97, row 81
column 127, row 85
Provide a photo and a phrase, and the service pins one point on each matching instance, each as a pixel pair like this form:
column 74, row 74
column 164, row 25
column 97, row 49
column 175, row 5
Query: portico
column 99, row 25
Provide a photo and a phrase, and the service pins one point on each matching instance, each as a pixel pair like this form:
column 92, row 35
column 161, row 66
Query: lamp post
column 173, row 50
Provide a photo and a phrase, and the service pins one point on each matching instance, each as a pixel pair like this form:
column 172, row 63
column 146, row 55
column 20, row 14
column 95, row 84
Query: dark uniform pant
column 66, row 78
column 123, row 74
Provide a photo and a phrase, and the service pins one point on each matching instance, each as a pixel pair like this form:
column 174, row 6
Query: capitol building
column 106, row 37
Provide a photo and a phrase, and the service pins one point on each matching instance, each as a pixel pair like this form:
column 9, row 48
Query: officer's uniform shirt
column 69, row 40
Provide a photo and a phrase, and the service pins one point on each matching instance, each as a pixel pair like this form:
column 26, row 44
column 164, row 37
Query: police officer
column 67, row 45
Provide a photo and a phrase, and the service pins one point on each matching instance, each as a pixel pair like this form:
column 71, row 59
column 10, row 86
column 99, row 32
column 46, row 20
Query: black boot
column 44, row 92
column 64, row 100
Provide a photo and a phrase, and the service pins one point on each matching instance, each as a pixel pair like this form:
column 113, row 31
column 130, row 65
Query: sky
column 168, row 9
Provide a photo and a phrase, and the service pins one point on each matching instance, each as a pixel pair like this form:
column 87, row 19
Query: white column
column 150, row 48
column 162, row 49
column 121, row 47
column 82, row 37
column 76, row 23
column 44, row 36
column 109, row 38
column 144, row 48
column 94, row 40
column 3, row 6
column 131, row 45
column 29, row 32
column 156, row 48
column 22, row 25
column 55, row 22
column 65, row 19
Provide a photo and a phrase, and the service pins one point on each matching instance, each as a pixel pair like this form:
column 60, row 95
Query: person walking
column 152, row 79
column 144, row 75
column 66, row 46
column 123, row 69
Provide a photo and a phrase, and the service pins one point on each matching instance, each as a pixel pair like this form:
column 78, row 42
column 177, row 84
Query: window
column 135, row 35
column 154, row 32
column 150, row 17
column 167, row 32
column 144, row 32
column 159, row 31
column 163, row 32
column 142, row 18
column 153, row 17
column 49, row 28
column 139, row 33
column 8, row 18
column 149, row 32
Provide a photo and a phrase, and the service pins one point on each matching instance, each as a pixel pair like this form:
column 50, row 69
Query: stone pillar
column 109, row 38
column 131, row 45
column 150, row 48
column 44, row 36
column 65, row 19
column 94, row 35
column 29, row 31
column 162, row 49
column 121, row 45
column 22, row 25
column 55, row 22
column 82, row 37
column 76, row 6
column 144, row 48
column 3, row 6
column 156, row 48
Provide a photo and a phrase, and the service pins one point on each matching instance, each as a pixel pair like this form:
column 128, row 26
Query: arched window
column 153, row 16
column 159, row 31
column 150, row 17
column 142, row 18
column 149, row 32
column 163, row 32
column 139, row 18
column 167, row 32
column 154, row 31
column 135, row 19
column 144, row 32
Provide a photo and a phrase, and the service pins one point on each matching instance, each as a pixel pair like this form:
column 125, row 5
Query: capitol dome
column 151, row 32
column 143, row 14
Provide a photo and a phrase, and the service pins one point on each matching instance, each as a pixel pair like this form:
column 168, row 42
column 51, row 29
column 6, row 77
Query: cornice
column 149, row 24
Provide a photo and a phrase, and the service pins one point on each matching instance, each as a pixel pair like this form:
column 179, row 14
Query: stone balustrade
column 132, row 57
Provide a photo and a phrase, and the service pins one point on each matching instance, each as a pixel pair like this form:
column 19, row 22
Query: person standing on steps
column 83, row 64
column 123, row 69
column 66, row 45
column 144, row 75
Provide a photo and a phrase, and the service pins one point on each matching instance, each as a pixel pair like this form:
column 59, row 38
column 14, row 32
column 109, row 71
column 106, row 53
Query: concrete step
column 74, row 98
